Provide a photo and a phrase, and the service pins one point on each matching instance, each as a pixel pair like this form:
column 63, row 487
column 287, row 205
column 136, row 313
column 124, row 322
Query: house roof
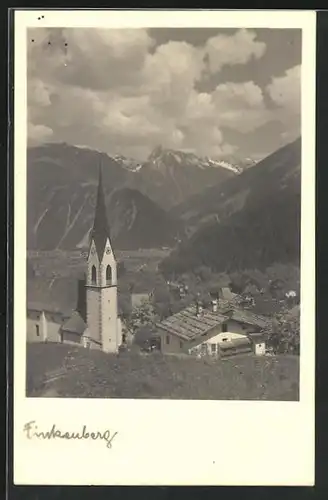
column 226, row 293
column 188, row 326
column 257, row 337
column 75, row 324
column 249, row 318
column 100, row 230
column 241, row 342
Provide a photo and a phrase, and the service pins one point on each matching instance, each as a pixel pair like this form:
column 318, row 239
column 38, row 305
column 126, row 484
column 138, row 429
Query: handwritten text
column 32, row 431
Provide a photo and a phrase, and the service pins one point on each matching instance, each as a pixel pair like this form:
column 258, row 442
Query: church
column 93, row 320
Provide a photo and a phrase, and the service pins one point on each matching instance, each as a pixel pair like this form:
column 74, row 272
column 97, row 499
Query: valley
column 242, row 231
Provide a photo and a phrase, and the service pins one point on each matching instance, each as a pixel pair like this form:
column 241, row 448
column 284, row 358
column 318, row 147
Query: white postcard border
column 161, row 442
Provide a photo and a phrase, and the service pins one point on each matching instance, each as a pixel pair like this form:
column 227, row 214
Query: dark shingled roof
column 75, row 324
column 100, row 230
column 257, row 337
column 249, row 318
column 188, row 326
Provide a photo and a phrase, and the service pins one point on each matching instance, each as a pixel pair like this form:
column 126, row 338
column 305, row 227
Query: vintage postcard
column 164, row 167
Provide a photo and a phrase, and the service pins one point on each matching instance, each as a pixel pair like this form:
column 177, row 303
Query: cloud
column 240, row 106
column 37, row 134
column 116, row 91
column 285, row 90
column 229, row 50
column 91, row 58
column 285, row 93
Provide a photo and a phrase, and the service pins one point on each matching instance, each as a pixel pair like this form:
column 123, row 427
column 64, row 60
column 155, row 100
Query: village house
column 221, row 330
column 83, row 311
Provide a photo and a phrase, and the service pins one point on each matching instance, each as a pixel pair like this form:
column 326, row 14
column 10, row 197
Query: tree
column 204, row 273
column 141, row 316
column 284, row 332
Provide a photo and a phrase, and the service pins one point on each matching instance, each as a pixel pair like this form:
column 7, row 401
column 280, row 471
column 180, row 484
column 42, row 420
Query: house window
column 108, row 275
column 37, row 330
column 93, row 275
column 167, row 339
column 181, row 344
column 123, row 338
column 213, row 348
column 204, row 348
column 224, row 327
column 224, row 339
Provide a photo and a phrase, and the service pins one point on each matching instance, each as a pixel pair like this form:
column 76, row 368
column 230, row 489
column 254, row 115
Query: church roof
column 100, row 230
column 75, row 324
column 52, row 294
column 59, row 295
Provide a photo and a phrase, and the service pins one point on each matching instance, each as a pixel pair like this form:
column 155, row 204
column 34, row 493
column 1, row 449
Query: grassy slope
column 99, row 375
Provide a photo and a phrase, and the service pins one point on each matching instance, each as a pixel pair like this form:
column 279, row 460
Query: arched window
column 93, row 275
column 108, row 275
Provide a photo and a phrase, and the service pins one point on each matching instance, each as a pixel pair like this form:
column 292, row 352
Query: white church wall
column 53, row 326
column 93, row 313
column 34, row 327
column 109, row 319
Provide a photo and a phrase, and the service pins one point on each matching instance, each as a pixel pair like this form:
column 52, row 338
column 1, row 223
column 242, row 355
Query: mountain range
column 61, row 184
column 250, row 221
column 218, row 213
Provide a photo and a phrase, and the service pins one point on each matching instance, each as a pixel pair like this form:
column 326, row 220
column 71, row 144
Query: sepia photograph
column 163, row 213
column 164, row 243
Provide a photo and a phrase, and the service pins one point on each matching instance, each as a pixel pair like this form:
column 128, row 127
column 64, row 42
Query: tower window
column 108, row 275
column 93, row 275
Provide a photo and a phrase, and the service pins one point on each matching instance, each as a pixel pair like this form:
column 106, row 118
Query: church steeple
column 101, row 283
column 100, row 231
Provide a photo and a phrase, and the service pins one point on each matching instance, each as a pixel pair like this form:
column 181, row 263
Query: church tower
column 101, row 283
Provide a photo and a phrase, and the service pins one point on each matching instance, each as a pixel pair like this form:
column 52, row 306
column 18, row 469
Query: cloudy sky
column 216, row 92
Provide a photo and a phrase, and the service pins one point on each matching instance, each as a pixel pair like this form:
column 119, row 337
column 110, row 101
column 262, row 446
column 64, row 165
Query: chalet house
column 222, row 330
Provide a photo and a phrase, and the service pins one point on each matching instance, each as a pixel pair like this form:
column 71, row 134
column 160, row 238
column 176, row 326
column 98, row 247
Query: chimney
column 215, row 305
column 199, row 308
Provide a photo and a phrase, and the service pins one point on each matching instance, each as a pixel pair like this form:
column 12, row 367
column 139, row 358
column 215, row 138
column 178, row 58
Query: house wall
column 259, row 348
column 172, row 343
column 215, row 336
column 48, row 326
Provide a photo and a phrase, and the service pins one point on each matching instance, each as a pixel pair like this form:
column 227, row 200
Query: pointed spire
column 100, row 230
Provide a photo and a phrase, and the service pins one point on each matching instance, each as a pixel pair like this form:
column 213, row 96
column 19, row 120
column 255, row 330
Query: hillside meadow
column 59, row 370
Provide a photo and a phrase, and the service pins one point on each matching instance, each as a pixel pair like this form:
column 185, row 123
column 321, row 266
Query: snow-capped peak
column 128, row 163
column 164, row 157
